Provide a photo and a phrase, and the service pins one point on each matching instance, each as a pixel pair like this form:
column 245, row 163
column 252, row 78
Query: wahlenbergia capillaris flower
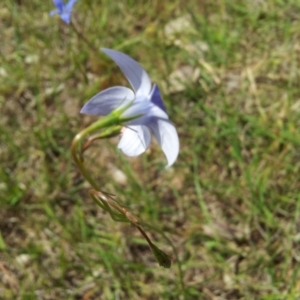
column 63, row 10
column 143, row 111
column 136, row 113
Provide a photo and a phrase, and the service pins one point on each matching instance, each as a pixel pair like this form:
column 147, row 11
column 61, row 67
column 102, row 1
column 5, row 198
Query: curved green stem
column 105, row 122
column 112, row 123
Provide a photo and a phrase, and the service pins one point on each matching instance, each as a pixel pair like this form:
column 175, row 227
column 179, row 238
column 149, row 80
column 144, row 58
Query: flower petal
column 59, row 4
column 133, row 71
column 155, row 98
column 70, row 4
column 148, row 112
column 139, row 108
column 167, row 137
column 66, row 17
column 108, row 100
column 156, row 113
column 135, row 140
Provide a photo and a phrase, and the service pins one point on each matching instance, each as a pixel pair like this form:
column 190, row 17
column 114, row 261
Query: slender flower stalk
column 120, row 214
column 83, row 38
column 108, row 121
column 103, row 199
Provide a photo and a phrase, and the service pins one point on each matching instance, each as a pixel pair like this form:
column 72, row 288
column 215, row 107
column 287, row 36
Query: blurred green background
column 229, row 74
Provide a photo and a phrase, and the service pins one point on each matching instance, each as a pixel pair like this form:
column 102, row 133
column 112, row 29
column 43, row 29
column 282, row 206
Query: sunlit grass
column 230, row 204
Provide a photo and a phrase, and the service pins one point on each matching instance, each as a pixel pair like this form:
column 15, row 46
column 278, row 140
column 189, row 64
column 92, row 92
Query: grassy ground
column 230, row 204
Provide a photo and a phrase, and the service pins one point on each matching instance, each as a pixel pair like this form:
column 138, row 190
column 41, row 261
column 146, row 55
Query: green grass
column 230, row 204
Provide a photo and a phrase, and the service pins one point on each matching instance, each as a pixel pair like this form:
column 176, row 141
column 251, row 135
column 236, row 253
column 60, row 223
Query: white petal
column 108, row 100
column 135, row 140
column 133, row 71
column 167, row 137
column 149, row 113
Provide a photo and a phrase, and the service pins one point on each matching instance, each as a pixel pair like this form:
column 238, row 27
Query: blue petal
column 135, row 74
column 70, row 4
column 135, row 140
column 106, row 101
column 66, row 17
column 59, row 4
column 155, row 98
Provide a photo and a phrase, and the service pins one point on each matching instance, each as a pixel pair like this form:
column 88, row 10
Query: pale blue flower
column 64, row 10
column 145, row 102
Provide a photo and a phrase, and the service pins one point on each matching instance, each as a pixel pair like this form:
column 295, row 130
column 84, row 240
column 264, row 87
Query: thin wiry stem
column 83, row 38
column 103, row 199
